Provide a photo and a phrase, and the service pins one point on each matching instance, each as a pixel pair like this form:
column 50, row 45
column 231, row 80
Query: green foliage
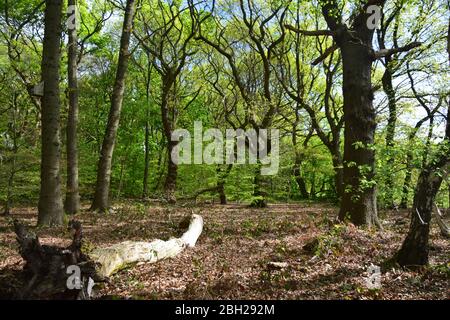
column 207, row 91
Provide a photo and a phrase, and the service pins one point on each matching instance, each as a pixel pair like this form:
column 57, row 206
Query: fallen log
column 47, row 267
column 118, row 256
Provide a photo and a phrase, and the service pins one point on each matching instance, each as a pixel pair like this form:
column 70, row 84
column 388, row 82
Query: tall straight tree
column 101, row 198
column 50, row 203
column 355, row 42
column 72, row 203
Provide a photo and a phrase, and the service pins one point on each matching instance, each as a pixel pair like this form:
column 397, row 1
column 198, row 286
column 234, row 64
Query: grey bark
column 50, row 207
column 72, row 203
column 101, row 197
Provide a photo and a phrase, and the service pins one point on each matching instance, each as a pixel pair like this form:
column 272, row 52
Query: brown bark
column 46, row 267
column 50, row 208
column 414, row 250
column 72, row 203
column 101, row 197
column 222, row 195
column 221, row 183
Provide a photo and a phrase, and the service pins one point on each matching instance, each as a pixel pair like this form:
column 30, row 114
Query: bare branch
column 389, row 52
column 310, row 32
column 325, row 55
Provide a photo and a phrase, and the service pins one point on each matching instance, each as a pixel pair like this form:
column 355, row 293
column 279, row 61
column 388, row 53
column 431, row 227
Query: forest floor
column 232, row 257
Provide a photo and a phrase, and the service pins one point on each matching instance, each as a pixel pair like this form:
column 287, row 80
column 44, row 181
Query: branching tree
column 167, row 38
column 251, row 59
column 324, row 105
column 355, row 43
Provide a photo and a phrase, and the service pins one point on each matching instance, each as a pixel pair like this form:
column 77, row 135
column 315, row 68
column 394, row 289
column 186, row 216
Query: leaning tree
column 101, row 197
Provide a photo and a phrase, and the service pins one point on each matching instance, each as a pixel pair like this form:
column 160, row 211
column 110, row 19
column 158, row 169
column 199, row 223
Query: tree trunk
column 221, row 183
column 428, row 142
column 259, row 189
column 414, row 250
column 359, row 198
column 445, row 230
column 72, row 203
column 50, row 208
column 123, row 162
column 172, row 168
column 170, row 184
column 390, row 134
column 147, row 158
column 338, row 170
column 298, row 177
column 409, row 159
column 222, row 195
column 101, row 197
column 407, row 181
column 15, row 149
column 8, row 201
column 147, row 130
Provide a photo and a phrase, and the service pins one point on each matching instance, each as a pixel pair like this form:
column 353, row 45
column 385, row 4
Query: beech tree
column 72, row 203
column 50, row 202
column 101, row 197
